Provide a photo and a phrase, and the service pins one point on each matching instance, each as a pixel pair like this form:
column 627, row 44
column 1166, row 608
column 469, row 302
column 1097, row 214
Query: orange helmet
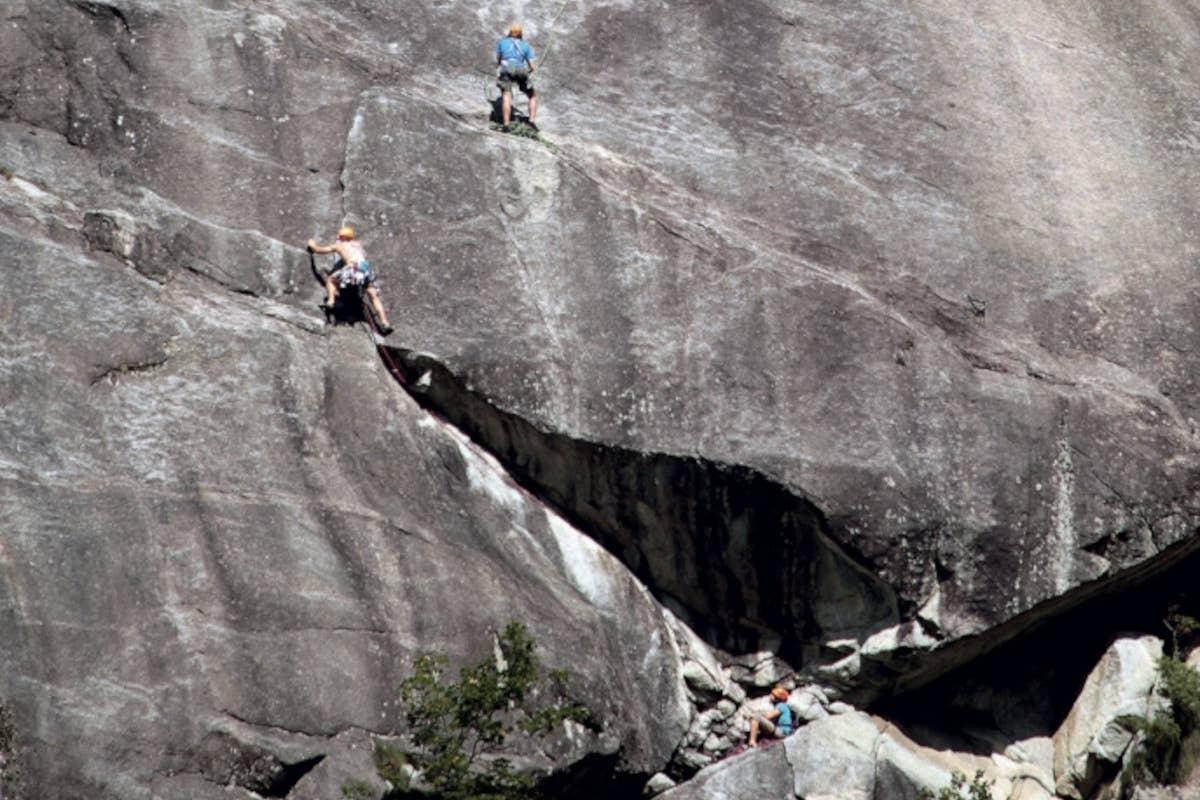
column 346, row 232
column 515, row 30
column 779, row 693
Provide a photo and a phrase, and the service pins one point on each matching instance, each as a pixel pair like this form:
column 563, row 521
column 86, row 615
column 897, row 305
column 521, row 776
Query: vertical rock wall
column 902, row 295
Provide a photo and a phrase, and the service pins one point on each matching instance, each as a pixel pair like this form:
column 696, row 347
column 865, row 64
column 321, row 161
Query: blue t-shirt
column 513, row 52
column 784, row 720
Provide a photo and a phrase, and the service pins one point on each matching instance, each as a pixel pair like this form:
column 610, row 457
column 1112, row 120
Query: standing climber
column 515, row 60
column 352, row 269
column 775, row 722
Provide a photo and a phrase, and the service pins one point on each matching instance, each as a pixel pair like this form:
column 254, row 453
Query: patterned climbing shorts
column 359, row 274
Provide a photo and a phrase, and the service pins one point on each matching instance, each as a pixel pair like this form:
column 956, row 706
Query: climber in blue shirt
column 777, row 722
column 515, row 60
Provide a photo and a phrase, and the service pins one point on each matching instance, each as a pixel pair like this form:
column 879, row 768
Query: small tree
column 959, row 789
column 454, row 726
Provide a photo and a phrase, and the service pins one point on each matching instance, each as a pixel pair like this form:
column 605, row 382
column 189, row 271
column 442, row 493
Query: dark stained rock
column 692, row 530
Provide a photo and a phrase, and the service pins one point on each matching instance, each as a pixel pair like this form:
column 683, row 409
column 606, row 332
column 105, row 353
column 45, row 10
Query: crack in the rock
column 224, row 758
column 317, row 629
column 876, row 761
column 590, row 483
column 99, row 9
column 978, row 361
column 330, row 734
column 1044, row 376
column 133, row 368
column 1052, row 42
column 241, row 290
column 680, row 235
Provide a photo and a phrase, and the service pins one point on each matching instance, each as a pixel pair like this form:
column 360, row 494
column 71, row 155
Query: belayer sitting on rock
column 775, row 722
column 515, row 59
column 352, row 269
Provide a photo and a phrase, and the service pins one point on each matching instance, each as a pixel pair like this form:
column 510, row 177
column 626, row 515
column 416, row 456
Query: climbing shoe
column 530, row 123
column 385, row 330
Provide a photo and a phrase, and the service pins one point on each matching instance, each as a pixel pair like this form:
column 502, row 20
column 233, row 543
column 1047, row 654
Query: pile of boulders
column 839, row 751
column 726, row 692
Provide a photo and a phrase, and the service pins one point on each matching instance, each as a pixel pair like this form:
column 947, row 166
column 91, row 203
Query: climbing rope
column 550, row 34
column 374, row 330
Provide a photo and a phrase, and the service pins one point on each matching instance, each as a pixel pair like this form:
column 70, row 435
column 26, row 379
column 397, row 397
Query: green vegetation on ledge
column 1167, row 748
column 456, row 730
column 959, row 789
column 525, row 132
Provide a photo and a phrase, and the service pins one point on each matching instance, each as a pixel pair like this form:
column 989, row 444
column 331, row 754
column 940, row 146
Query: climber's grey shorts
column 768, row 728
column 518, row 75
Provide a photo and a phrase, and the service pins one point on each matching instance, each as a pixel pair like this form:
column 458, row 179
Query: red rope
column 397, row 373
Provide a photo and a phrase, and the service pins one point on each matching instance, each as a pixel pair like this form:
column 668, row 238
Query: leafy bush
column 959, row 789
column 1182, row 627
column 359, row 790
column 1181, row 685
column 392, row 765
column 458, row 728
column 525, row 132
column 1169, row 746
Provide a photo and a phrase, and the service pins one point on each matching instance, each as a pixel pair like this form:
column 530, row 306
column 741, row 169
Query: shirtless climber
column 515, row 59
column 352, row 269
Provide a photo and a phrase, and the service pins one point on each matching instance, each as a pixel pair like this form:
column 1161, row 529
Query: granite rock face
column 254, row 536
column 778, row 276
column 850, row 330
column 228, row 531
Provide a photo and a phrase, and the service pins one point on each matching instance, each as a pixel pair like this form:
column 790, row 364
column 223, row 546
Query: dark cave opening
column 594, row 777
column 288, row 775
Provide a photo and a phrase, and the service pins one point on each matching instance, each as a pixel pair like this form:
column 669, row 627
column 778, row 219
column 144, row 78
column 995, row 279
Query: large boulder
column 1098, row 730
column 853, row 756
column 761, row 773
